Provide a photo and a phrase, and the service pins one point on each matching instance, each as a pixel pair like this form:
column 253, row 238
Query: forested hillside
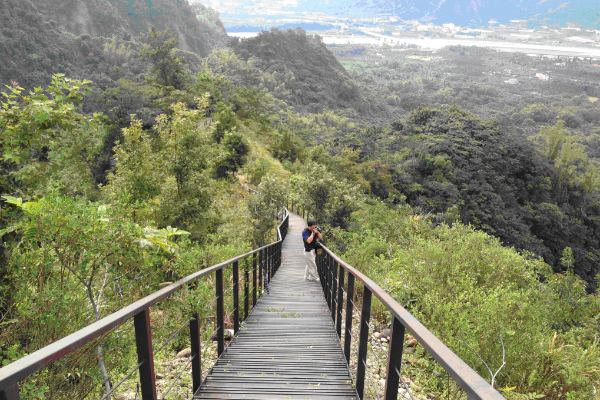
column 304, row 66
column 485, row 228
column 129, row 19
column 34, row 46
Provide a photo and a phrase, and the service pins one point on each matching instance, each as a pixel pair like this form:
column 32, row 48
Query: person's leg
column 306, row 258
column 312, row 265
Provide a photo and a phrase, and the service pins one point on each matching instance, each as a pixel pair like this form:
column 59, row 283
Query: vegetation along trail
column 465, row 182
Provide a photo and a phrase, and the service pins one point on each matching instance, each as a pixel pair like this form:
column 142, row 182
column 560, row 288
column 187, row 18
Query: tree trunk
column 103, row 370
column 105, row 378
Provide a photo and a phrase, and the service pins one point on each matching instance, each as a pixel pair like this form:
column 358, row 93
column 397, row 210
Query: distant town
column 517, row 35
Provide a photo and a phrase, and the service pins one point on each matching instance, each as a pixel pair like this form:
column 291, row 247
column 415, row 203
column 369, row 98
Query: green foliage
column 328, row 199
column 236, row 150
column 448, row 159
column 27, row 119
column 270, row 198
column 288, row 147
column 226, row 122
column 167, row 179
column 303, row 71
column 159, row 50
column 466, row 287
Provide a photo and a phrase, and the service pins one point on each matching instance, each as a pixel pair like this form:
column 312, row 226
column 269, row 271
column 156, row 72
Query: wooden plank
column 288, row 347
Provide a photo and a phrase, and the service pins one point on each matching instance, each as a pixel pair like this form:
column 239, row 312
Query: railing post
column 11, row 393
column 196, row 353
column 333, row 289
column 394, row 360
column 349, row 307
column 143, row 342
column 321, row 269
column 261, row 282
column 363, row 341
column 253, row 279
column 340, row 301
column 327, row 264
column 220, row 327
column 246, row 289
column 236, row 298
column 279, row 251
column 269, row 263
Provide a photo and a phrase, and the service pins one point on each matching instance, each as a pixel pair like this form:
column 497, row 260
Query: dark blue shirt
column 305, row 235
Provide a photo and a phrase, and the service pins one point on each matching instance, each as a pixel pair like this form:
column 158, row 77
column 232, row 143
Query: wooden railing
column 338, row 280
column 265, row 263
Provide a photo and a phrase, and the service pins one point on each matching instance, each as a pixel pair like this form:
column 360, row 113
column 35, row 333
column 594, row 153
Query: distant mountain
column 459, row 12
column 304, row 66
column 33, row 48
column 196, row 27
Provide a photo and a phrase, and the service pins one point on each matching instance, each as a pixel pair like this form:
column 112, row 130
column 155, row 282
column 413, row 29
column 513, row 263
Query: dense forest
column 127, row 149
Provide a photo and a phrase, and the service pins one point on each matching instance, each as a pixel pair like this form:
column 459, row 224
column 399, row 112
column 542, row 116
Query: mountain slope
column 304, row 65
column 131, row 18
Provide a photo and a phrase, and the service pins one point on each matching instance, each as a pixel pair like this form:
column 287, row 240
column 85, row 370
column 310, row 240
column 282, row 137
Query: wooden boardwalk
column 288, row 347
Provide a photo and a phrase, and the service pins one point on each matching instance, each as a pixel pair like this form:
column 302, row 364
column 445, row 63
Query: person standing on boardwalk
column 309, row 237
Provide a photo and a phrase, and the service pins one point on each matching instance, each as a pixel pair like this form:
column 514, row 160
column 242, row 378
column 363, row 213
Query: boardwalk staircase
column 295, row 341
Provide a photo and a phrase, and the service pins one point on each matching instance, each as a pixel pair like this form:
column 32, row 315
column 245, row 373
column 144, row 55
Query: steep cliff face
column 130, row 18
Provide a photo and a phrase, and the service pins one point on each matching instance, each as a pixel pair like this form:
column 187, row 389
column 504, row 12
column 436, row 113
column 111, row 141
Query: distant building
column 521, row 23
column 542, row 77
column 450, row 28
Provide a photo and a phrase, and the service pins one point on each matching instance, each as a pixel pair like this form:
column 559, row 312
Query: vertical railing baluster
column 333, row 288
column 327, row 263
column 11, row 393
column 318, row 264
column 363, row 341
column 220, row 327
column 349, row 308
column 278, row 260
column 394, row 359
column 236, row 297
column 254, row 279
column 246, row 289
column 143, row 342
column 277, row 256
column 271, row 258
column 196, row 352
column 269, row 263
column 340, row 301
column 261, row 282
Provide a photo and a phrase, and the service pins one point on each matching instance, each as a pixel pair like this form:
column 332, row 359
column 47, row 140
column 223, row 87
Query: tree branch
column 484, row 363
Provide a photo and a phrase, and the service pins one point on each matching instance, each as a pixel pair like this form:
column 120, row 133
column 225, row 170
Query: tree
column 29, row 121
column 288, row 146
column 565, row 153
column 236, row 149
column 328, row 198
column 226, row 122
column 265, row 203
column 159, row 49
column 69, row 244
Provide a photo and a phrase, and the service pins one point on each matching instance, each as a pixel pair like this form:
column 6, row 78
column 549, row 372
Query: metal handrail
column 470, row 381
column 11, row 374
